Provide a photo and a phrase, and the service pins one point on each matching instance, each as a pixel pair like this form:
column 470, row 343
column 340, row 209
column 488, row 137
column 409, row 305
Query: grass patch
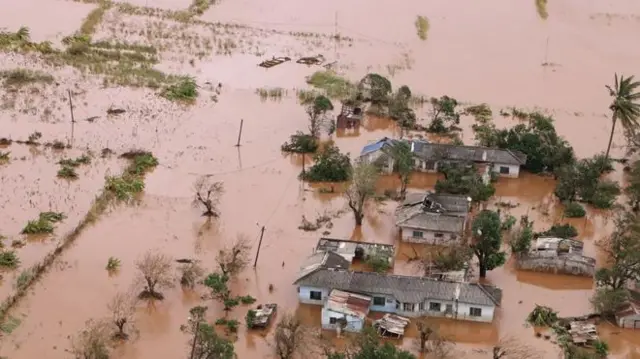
column 332, row 84
column 82, row 160
column 422, row 27
column 270, row 93
column 185, row 90
column 24, row 279
column 91, row 22
column 541, row 6
column 131, row 182
column 22, row 77
column 198, row 7
column 9, row 259
column 67, row 172
column 44, row 223
column 4, row 157
column 113, row 264
column 9, row 325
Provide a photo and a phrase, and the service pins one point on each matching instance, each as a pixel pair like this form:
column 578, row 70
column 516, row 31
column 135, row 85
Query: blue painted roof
column 372, row 147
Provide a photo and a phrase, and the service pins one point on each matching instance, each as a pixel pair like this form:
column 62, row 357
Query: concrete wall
column 304, row 295
column 463, row 309
column 514, row 170
column 557, row 265
column 354, row 324
column 429, row 237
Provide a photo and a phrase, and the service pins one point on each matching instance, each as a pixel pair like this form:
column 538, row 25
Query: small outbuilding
column 628, row 316
column 391, row 326
column 345, row 311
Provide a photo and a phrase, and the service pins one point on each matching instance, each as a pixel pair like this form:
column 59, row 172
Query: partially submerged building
column 557, row 255
column 263, row 315
column 391, row 325
column 433, row 218
column 345, row 311
column 628, row 315
column 402, row 295
column 501, row 161
column 428, row 157
column 376, row 152
column 350, row 250
column 350, row 117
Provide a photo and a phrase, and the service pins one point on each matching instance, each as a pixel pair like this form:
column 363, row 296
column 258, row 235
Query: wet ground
column 477, row 53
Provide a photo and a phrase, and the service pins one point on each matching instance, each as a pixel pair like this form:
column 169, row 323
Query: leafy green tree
column 633, row 188
column 581, row 181
column 367, row 346
column 623, row 253
column 209, row 345
column 559, row 230
column 302, row 144
column 330, row 166
column 460, row 179
column 400, row 110
column 624, row 107
column 445, row 114
column 375, row 88
column 316, row 110
column 545, row 150
column 521, row 242
column 400, row 153
column 361, row 189
column 487, row 235
column 607, row 301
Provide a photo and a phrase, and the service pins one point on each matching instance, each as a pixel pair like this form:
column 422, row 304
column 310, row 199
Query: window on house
column 435, row 307
column 333, row 320
column 504, row 170
column 449, row 308
column 418, row 234
column 475, row 312
column 315, row 295
column 420, row 306
column 408, row 307
column 438, row 235
column 378, row 301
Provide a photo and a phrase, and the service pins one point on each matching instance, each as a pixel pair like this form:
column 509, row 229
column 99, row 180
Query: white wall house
column 408, row 296
column 436, row 219
column 345, row 311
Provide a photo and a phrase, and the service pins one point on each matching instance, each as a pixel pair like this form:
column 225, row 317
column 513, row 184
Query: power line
column 237, row 170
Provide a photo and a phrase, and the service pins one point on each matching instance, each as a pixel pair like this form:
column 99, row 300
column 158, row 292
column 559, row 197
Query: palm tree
column 624, row 106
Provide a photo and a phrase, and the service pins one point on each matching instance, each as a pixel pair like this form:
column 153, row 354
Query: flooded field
column 505, row 55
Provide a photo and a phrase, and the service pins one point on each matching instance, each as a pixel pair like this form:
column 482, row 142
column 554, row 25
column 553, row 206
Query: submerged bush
column 185, row 90
column 44, row 223
column 67, row 172
column 574, row 210
column 330, row 166
column 9, row 259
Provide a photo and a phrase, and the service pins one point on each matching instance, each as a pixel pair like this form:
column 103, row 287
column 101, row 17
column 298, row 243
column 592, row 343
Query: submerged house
column 345, row 311
column 428, row 156
column 433, row 218
column 350, row 250
column 501, row 161
column 350, row 117
column 402, row 295
column 628, row 315
column 557, row 255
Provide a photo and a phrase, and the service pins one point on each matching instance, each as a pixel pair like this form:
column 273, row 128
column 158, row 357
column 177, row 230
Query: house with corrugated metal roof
column 345, row 311
column 402, row 295
column 429, row 156
column 433, row 218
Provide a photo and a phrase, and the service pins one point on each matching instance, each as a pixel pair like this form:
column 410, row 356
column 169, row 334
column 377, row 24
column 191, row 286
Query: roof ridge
column 485, row 291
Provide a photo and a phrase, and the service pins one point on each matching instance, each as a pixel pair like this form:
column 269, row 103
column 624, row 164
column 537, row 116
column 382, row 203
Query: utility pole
column 546, row 52
column 259, row 245
column 240, row 133
column 73, row 121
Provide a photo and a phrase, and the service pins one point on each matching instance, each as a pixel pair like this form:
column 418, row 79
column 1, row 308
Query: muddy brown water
column 496, row 57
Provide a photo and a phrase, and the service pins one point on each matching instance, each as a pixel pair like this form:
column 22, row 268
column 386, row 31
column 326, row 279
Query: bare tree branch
column 207, row 194
column 155, row 270
column 236, row 258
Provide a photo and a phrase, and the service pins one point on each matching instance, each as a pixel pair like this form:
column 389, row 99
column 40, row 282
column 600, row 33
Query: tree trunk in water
column 483, row 270
column 303, row 156
column 359, row 217
column 613, row 128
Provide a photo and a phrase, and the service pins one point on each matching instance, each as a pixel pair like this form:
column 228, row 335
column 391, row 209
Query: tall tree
column 487, row 241
column 400, row 153
column 625, row 107
column 623, row 251
column 361, row 189
column 316, row 110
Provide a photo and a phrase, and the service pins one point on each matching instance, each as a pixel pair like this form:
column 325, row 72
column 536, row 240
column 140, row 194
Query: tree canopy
column 625, row 106
column 330, row 166
column 487, row 241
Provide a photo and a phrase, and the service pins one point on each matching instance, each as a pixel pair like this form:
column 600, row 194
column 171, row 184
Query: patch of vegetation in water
column 21, row 77
column 422, row 27
column 332, row 84
column 184, row 90
column 44, row 223
column 541, row 6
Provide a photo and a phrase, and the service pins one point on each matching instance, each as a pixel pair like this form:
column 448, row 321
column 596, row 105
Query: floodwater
column 474, row 52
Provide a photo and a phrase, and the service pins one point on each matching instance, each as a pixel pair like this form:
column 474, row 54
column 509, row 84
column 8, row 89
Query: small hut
column 350, row 117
